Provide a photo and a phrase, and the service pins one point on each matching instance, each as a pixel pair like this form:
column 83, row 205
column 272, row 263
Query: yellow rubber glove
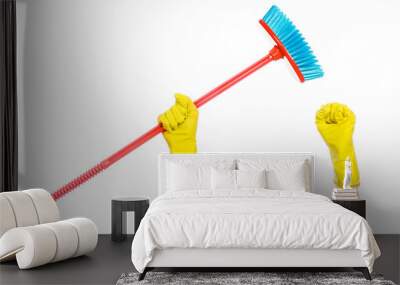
column 180, row 124
column 335, row 123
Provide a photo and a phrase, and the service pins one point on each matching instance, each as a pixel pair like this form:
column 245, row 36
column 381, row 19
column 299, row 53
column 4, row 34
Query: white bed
column 248, row 227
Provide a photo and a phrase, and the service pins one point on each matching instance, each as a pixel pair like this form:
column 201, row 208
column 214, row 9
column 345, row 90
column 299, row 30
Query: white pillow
column 236, row 179
column 189, row 173
column 188, row 177
column 283, row 174
column 289, row 179
column 251, row 178
column 223, row 179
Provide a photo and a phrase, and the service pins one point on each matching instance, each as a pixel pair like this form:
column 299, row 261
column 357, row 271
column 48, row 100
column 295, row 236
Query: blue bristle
column 294, row 43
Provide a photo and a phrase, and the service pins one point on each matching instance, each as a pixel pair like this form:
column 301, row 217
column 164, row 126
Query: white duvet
column 251, row 218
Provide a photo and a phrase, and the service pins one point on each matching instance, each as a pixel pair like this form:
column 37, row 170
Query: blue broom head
column 294, row 43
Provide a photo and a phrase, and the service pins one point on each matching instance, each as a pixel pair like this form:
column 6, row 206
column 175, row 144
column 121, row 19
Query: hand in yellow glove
column 335, row 123
column 180, row 125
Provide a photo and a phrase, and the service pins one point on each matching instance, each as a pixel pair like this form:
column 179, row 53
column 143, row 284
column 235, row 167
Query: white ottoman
column 31, row 232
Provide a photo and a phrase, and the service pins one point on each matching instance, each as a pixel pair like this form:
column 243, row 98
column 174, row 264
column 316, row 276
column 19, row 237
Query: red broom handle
column 158, row 129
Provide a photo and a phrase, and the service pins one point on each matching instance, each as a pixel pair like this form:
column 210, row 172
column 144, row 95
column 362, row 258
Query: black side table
column 119, row 207
column 357, row 206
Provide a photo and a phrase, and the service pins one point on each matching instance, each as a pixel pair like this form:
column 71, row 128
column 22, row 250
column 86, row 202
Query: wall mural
column 289, row 44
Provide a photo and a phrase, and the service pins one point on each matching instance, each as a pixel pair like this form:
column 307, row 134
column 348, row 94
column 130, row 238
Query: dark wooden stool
column 119, row 207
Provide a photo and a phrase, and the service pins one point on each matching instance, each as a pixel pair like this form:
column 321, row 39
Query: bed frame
column 246, row 259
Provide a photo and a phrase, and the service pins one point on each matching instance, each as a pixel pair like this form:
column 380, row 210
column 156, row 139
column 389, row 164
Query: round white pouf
column 26, row 208
column 7, row 216
column 40, row 244
column 45, row 206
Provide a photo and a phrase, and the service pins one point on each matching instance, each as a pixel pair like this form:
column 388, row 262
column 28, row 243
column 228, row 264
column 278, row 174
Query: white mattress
column 251, row 219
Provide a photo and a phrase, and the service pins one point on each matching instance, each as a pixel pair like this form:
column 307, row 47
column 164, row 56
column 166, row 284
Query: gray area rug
column 269, row 278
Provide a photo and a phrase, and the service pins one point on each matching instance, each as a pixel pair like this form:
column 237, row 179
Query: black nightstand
column 119, row 207
column 357, row 206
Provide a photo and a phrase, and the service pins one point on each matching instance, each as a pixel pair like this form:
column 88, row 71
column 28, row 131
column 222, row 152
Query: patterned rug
column 253, row 278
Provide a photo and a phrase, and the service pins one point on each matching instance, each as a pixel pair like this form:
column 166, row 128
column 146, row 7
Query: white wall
column 95, row 74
